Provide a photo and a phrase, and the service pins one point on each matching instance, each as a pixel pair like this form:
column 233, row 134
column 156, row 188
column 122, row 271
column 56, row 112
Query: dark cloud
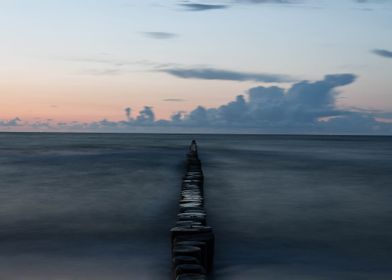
column 159, row 35
column 177, row 117
column 268, row 1
column 301, row 106
column 128, row 112
column 14, row 122
column 203, row 7
column 174, row 100
column 146, row 116
column 371, row 1
column 383, row 53
column 218, row 74
column 198, row 7
column 298, row 1
column 305, row 107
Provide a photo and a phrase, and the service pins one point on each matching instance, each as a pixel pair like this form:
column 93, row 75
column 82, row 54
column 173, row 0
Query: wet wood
column 192, row 240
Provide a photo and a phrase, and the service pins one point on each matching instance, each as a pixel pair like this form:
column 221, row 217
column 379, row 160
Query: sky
column 231, row 66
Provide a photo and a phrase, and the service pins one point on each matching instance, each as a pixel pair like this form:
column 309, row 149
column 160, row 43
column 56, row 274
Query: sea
column 100, row 206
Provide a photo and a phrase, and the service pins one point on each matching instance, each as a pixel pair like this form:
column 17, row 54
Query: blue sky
column 77, row 65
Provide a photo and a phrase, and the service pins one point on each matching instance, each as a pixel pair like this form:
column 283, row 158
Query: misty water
column 100, row 206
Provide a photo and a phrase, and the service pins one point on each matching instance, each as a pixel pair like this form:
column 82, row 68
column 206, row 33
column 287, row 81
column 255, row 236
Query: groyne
column 191, row 239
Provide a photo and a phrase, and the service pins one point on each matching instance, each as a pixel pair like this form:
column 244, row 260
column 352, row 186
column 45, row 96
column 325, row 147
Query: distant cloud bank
column 10, row 123
column 305, row 107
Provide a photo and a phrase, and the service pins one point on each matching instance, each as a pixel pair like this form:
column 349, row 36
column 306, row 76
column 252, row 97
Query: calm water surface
column 100, row 206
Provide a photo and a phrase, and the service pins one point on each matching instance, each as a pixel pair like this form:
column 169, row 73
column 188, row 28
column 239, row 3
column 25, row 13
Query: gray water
column 100, row 206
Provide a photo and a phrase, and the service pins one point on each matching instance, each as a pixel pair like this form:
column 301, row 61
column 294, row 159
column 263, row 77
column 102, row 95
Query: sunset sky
column 310, row 66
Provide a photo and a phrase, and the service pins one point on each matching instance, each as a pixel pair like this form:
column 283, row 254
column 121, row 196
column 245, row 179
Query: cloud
column 160, row 35
column 146, row 116
column 299, row 107
column 198, row 7
column 305, row 107
column 218, row 74
column 174, row 100
column 13, row 122
column 128, row 112
column 177, row 117
column 42, row 125
column 203, row 7
column 268, row 1
column 383, row 53
column 370, row 1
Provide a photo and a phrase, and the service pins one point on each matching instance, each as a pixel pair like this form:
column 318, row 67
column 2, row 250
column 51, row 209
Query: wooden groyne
column 192, row 240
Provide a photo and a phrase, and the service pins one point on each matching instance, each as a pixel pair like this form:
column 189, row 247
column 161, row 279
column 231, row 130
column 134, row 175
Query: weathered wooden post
column 192, row 240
